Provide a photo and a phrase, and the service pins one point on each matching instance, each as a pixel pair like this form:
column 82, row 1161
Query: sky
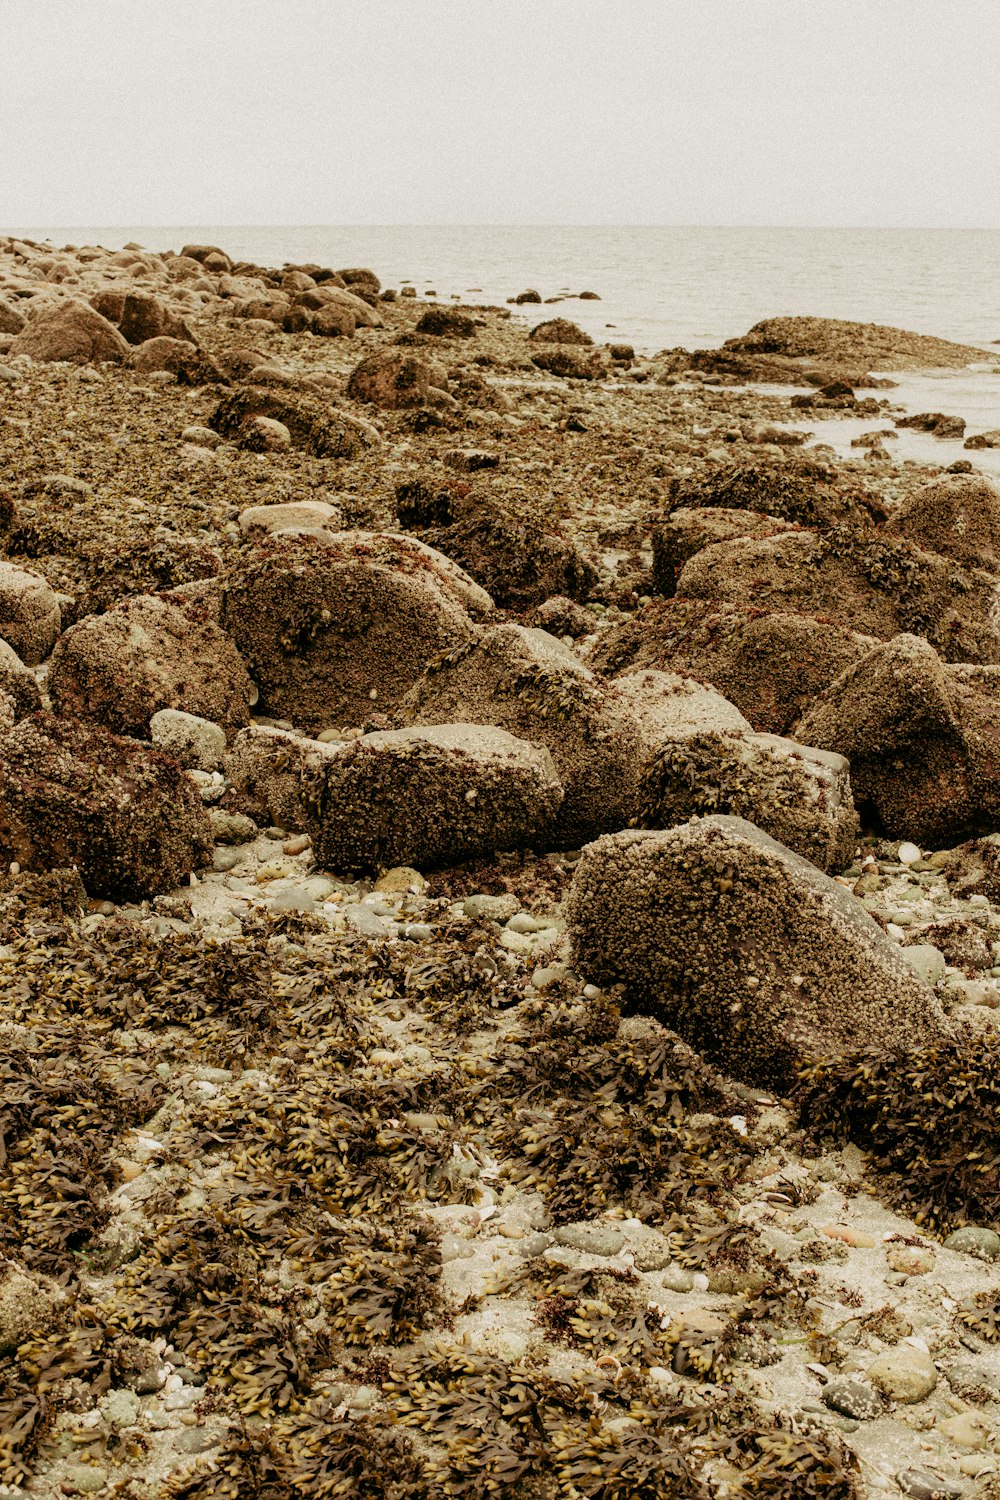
column 715, row 112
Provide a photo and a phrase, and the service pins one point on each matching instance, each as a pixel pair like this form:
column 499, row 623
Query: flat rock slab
column 431, row 796
column 746, row 950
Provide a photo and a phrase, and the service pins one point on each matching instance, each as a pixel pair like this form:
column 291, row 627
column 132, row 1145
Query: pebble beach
column 500, row 898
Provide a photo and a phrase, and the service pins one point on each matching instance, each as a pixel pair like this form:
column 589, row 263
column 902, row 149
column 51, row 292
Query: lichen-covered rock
column 145, row 654
column 71, row 331
column 883, row 585
column 294, row 515
column 195, row 743
column 921, row 738
column 530, row 684
column 177, row 357
column 393, row 380
column 30, row 1305
column 320, row 430
column 518, row 557
column 690, row 529
column 30, row 619
column 865, row 346
column 335, row 627
column 430, row 796
column 18, row 682
column 958, row 516
column 746, row 950
column 771, row 664
column 569, row 362
column 73, row 794
column 446, row 323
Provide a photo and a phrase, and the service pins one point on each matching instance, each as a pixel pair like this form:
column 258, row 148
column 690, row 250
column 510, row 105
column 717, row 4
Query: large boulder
column 879, row 584
column 798, row 490
column 921, row 738
column 559, row 331
column 30, row 619
column 177, row 357
column 771, row 664
column 692, row 528
column 336, row 627
column 210, row 256
column 319, row 429
column 861, row 346
column 18, row 682
column 71, row 331
column 394, row 380
column 11, row 321
column 745, row 949
column 431, row 796
column 145, row 654
column 126, row 816
column 144, row 317
column 530, row 684
column 958, row 516
column 272, row 774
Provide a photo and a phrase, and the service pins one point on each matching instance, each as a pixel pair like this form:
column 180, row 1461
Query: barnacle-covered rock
column 334, row 627
column 145, row 654
column 321, row 430
column 703, row 757
column 391, row 379
column 794, row 490
column 74, row 794
column 271, row 773
column 881, row 584
column 429, row 796
column 18, row 682
column 957, row 515
column 691, row 528
column 29, row 613
column 528, row 683
column 742, row 947
column 519, row 557
column 921, row 737
column 770, row 663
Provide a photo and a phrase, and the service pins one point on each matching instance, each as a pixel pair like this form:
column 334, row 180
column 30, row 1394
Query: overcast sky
column 216, row 112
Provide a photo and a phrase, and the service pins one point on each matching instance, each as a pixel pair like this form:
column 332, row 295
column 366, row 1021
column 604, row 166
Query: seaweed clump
column 931, row 1118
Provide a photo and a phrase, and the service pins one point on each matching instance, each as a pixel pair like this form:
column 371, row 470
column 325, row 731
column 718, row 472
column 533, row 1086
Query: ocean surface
column 664, row 287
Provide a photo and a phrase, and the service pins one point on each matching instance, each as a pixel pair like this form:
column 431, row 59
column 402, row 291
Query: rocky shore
column 500, row 953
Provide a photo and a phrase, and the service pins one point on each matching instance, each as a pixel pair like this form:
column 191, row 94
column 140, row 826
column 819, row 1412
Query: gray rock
column 592, row 1239
column 905, row 1374
column 853, row 1398
column 921, row 1485
column 196, row 743
column 231, row 827
column 984, row 1244
column 926, row 961
column 492, row 908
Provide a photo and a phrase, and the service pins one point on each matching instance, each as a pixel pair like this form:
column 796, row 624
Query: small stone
column 592, row 1239
column 984, row 1244
column 367, row 922
column 904, row 1374
column 858, row 1238
column 677, row 1279
column 492, row 908
column 226, row 859
column 967, row 1430
column 853, row 1398
column 193, row 1440
column 297, row 845
column 522, row 922
column 534, row 1244
column 402, row 880
column 908, row 854
column 231, row 827
column 86, row 1479
column 120, row 1408
column 197, row 743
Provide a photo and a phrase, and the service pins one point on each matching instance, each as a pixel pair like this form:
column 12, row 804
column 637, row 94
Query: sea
column 664, row 287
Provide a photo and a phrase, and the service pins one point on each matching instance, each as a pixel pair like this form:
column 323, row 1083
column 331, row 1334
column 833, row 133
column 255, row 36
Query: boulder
column 196, row 744
column 881, row 584
column 315, row 427
column 921, row 738
column 272, row 773
column 519, row 557
column 29, row 613
column 333, row 322
column 446, row 323
column 71, row 331
column 166, row 561
column 338, row 626
column 861, row 346
column 393, row 380
column 690, row 529
column 559, row 331
column 745, row 949
column 770, row 664
column 989, row 439
column 570, row 363
column 294, row 515
column 361, row 278
column 363, row 313
column 144, row 317
column 209, row 256
column 958, row 516
column 937, row 423
column 110, row 303
column 431, row 796
column 530, row 684
column 144, row 654
column 11, row 321
column 127, row 817
column 18, row 682
column 797, row 490
column 178, row 357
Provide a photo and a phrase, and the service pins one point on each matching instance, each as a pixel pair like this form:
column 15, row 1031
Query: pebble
column 492, row 908
column 853, row 1398
column 297, row 845
column 231, row 827
column 677, row 1279
column 911, row 1260
column 859, row 1238
column 84, row 1479
column 120, row 1408
column 367, row 922
column 967, row 1429
column 226, row 859
column 522, row 921
column 534, row 1244
column 193, row 1440
column 401, row 880
column 904, row 1374
column 908, row 854
column 984, row 1244
column 592, row 1239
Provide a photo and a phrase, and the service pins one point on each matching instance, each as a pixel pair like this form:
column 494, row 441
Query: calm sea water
column 662, row 287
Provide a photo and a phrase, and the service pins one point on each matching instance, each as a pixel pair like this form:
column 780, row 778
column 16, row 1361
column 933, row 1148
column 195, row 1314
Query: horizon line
column 472, row 224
